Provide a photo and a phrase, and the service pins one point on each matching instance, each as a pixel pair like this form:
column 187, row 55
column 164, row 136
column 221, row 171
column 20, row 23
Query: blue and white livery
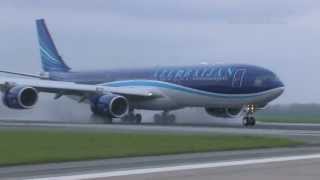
column 231, row 90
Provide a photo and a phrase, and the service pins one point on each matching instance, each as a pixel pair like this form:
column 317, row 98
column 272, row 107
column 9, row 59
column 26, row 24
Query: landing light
column 251, row 108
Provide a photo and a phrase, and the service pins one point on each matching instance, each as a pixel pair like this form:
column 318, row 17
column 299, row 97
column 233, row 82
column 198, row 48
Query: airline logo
column 201, row 73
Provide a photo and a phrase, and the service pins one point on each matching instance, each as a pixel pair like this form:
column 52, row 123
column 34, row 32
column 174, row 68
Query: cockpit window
column 261, row 80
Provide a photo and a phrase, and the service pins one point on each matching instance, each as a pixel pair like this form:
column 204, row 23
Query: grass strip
column 39, row 146
column 289, row 119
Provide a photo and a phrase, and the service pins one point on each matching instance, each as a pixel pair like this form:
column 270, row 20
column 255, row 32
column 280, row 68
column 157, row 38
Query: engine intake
column 20, row 97
column 111, row 105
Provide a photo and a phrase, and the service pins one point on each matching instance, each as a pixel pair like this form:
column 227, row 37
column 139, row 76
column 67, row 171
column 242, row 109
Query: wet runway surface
column 306, row 132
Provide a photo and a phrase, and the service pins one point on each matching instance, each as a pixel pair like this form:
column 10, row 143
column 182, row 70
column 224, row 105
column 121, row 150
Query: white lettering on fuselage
column 204, row 74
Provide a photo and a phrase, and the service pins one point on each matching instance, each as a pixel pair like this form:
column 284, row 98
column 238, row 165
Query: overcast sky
column 282, row 35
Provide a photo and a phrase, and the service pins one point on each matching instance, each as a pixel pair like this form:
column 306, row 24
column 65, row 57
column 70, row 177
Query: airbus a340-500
column 229, row 90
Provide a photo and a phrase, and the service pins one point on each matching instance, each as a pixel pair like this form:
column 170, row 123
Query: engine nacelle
column 111, row 105
column 20, row 97
column 224, row 112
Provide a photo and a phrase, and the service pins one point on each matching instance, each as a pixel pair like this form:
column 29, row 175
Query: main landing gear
column 132, row 118
column 249, row 120
column 164, row 118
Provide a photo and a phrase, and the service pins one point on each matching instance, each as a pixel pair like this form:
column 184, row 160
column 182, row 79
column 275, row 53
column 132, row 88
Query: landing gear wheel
column 245, row 121
column 164, row 118
column 171, row 119
column 138, row 118
column 252, row 121
column 132, row 118
column 249, row 121
column 157, row 118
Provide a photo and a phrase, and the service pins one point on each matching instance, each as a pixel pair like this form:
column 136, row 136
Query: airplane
column 223, row 90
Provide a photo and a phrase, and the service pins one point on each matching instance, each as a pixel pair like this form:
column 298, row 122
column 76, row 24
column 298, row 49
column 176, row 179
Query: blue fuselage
column 224, row 79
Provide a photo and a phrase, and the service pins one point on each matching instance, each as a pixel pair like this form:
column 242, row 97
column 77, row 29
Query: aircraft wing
column 70, row 88
column 21, row 74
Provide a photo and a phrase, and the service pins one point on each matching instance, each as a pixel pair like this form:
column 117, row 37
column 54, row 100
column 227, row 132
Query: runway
column 307, row 132
column 220, row 165
column 200, row 165
column 293, row 168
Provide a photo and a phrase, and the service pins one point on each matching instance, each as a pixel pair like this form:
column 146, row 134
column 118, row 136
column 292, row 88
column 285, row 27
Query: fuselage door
column 238, row 78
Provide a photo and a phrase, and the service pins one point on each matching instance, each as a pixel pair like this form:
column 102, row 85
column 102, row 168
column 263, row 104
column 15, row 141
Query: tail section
column 50, row 58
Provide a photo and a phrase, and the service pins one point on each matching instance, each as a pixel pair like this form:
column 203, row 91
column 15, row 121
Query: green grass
column 40, row 146
column 289, row 118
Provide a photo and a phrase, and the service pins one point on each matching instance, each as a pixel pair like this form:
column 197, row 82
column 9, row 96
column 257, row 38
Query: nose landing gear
column 249, row 120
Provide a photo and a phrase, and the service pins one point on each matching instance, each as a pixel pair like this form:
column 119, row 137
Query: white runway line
column 181, row 167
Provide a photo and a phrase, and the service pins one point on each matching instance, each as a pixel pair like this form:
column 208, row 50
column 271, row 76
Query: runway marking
column 181, row 167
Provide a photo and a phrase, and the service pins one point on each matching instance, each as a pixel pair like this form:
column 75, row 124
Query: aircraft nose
column 278, row 83
column 275, row 93
column 281, row 84
column 280, row 89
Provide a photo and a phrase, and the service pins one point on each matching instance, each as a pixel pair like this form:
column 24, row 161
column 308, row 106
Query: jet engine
column 20, row 97
column 224, row 112
column 110, row 105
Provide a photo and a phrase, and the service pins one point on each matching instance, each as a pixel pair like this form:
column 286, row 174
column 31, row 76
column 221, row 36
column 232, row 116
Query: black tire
column 245, row 121
column 252, row 121
column 157, row 118
column 138, row 118
column 171, row 119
